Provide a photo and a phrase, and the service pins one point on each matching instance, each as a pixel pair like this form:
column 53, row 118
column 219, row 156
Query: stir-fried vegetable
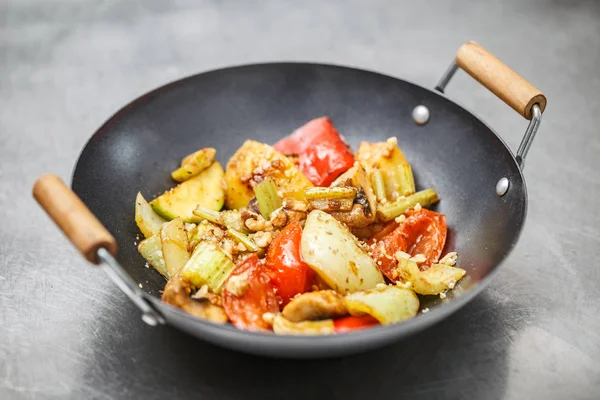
column 391, row 174
column 364, row 208
column 253, row 163
column 204, row 189
column 389, row 211
column 292, row 258
column 244, row 239
column 174, row 246
column 334, row 253
column 228, row 218
column 146, row 219
column 248, row 295
column 353, row 323
column 322, row 152
column 267, row 198
column 436, row 279
column 425, row 233
column 193, row 164
column 151, row 250
column 209, row 266
column 321, row 304
column 177, row 293
column 289, row 274
column 389, row 304
column 422, row 233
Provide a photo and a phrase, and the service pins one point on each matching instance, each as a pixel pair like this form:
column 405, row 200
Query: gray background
column 66, row 66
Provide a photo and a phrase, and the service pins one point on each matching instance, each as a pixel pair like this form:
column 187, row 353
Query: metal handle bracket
column 510, row 87
column 114, row 270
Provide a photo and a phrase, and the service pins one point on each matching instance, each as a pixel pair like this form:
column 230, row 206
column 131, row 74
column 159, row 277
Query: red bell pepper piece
column 289, row 274
column 323, row 154
column 348, row 324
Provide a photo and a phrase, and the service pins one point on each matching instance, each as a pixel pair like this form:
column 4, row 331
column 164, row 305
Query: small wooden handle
column 499, row 79
column 72, row 216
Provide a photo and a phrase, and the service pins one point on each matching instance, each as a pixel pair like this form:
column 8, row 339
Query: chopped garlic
column 417, row 207
column 238, row 284
column 400, row 218
column 269, row 317
column 419, row 259
column 405, row 285
column 400, row 255
column 449, row 259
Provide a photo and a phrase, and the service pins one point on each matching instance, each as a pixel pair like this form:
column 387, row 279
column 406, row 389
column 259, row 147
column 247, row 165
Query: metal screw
column 420, row 115
column 149, row 319
column 502, row 186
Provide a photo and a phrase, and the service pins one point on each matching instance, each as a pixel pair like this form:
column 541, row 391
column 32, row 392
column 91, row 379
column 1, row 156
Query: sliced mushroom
column 364, row 208
column 177, row 293
column 283, row 326
column 322, row 304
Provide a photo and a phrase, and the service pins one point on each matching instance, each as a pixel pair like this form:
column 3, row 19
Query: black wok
column 477, row 177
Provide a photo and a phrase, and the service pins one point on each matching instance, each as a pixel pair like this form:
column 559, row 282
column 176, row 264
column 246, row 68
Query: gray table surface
column 66, row 66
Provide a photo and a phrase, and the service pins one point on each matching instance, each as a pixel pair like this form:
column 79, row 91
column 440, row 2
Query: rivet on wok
column 502, row 186
column 149, row 319
column 420, row 115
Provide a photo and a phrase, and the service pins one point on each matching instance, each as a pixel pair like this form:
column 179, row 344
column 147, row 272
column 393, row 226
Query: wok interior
column 455, row 153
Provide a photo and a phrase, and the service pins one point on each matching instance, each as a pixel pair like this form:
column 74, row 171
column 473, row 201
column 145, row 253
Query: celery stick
column 208, row 266
column 267, row 198
column 389, row 211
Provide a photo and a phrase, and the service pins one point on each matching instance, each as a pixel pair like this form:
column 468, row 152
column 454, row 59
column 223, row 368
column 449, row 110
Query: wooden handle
column 72, row 216
column 499, row 79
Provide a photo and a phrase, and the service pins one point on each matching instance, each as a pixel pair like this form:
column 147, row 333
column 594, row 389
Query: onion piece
column 389, row 304
column 335, row 255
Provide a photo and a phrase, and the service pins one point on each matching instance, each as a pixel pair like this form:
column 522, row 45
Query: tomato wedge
column 348, row 324
column 322, row 152
column 384, row 245
column 289, row 275
column 423, row 232
column 250, row 297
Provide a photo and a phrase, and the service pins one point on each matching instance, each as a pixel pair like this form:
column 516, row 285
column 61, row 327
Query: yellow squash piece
column 205, row 189
column 174, row 240
column 255, row 162
column 193, row 164
column 146, row 219
column 436, row 279
column 390, row 173
column 382, row 155
column 389, row 304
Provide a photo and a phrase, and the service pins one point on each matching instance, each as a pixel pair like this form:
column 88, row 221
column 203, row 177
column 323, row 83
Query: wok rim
column 346, row 342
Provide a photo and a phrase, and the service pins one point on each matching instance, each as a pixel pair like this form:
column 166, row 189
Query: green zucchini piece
column 193, row 164
column 205, row 190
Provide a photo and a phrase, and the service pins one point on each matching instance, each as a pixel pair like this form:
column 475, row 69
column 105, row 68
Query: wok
column 478, row 178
